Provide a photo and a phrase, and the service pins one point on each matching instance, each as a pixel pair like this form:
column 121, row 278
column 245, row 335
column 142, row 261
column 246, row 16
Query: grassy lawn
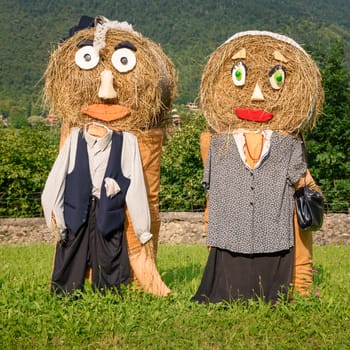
column 31, row 318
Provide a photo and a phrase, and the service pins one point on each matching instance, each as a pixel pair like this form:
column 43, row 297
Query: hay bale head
column 110, row 73
column 261, row 80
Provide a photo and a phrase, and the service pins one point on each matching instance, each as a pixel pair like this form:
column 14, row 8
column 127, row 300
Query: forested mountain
column 188, row 31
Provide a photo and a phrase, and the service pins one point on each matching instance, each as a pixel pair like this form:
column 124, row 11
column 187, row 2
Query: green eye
column 239, row 72
column 277, row 77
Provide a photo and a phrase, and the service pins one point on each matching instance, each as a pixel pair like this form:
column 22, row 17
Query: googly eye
column 123, row 60
column 86, row 57
column 239, row 72
column 277, row 77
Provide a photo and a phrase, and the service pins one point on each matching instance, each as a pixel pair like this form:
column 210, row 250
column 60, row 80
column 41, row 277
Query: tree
column 26, row 157
column 182, row 168
column 329, row 143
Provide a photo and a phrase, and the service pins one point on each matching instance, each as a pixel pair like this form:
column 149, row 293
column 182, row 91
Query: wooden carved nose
column 106, row 90
column 257, row 94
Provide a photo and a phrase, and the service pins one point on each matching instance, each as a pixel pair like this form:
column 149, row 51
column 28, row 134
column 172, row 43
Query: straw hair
column 148, row 89
column 295, row 107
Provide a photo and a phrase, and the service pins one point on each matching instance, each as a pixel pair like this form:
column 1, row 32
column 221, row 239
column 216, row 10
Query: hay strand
column 148, row 89
column 295, row 107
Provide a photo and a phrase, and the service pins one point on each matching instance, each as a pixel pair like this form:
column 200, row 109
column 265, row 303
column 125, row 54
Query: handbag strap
column 303, row 147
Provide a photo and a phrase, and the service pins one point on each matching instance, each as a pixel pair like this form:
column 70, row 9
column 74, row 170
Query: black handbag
column 309, row 205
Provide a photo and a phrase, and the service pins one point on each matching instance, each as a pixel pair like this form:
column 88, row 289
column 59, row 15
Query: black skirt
column 229, row 276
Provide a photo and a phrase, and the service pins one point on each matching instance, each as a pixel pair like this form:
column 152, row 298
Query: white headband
column 277, row 36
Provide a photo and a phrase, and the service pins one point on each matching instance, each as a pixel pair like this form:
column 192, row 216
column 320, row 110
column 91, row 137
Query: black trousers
column 108, row 259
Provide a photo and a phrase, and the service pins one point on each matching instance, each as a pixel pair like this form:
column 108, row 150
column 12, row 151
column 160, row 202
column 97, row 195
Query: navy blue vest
column 110, row 214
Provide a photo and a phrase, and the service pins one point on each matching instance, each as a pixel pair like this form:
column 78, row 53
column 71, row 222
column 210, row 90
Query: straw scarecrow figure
column 259, row 92
column 106, row 76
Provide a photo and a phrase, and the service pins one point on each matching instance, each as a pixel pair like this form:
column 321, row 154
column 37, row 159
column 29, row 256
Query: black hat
column 84, row 22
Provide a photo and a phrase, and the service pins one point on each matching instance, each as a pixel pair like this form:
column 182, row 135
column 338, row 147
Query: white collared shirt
column 240, row 142
column 98, row 149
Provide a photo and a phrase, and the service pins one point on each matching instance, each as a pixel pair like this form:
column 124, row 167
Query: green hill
column 187, row 31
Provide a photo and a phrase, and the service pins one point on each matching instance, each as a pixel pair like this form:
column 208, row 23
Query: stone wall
column 176, row 228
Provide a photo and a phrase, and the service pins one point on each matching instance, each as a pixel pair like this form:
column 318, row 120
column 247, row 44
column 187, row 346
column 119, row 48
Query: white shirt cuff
column 145, row 237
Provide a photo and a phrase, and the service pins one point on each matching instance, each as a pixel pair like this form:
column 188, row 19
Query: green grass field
column 31, row 318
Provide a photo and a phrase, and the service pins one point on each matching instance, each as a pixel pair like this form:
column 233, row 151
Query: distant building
column 51, row 120
column 175, row 123
column 193, row 106
column 176, row 119
column 3, row 121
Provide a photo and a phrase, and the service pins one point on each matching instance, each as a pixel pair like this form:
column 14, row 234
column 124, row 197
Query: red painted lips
column 253, row 115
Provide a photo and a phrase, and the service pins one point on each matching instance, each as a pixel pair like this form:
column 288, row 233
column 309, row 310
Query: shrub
column 182, row 168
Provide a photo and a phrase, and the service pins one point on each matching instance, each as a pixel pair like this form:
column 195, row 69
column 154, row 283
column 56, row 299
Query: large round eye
column 277, row 76
column 239, row 72
column 124, row 60
column 86, row 57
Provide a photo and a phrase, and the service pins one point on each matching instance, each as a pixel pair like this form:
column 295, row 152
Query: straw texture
column 148, row 89
column 295, row 107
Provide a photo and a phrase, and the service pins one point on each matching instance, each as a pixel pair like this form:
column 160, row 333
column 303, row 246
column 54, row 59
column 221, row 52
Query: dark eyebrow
column 85, row 42
column 125, row 44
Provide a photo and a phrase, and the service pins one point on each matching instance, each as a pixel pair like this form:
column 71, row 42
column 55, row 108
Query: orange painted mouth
column 106, row 113
column 253, row 115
